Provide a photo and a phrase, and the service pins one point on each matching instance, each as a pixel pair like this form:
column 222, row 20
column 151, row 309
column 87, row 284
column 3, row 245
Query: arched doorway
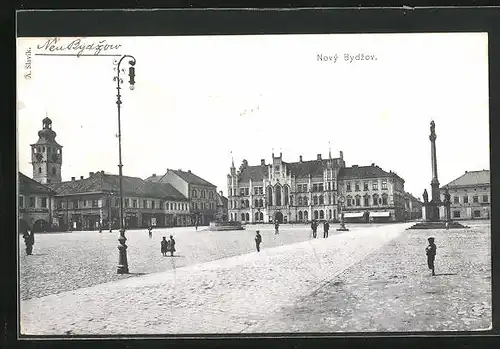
column 316, row 216
column 269, row 196
column 278, row 217
column 306, row 216
column 300, row 216
column 277, row 195
column 40, row 225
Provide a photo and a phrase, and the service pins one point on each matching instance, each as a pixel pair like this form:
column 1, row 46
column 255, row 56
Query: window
column 348, row 186
column 242, row 191
column 304, row 187
column 384, row 185
column 329, row 185
column 333, row 200
column 456, row 214
column 21, row 201
column 356, row 186
column 84, row 203
column 321, row 200
column 475, row 199
column 305, row 200
column 256, row 190
column 358, row 201
column 95, row 203
column 126, row 202
column 44, row 202
column 320, row 187
column 291, row 200
column 243, row 217
column 315, row 200
column 193, row 193
column 367, row 201
column 153, row 204
column 300, row 200
column 256, row 203
column 59, row 204
column 485, row 198
column 172, row 206
column 117, row 202
column 375, row 185
column 477, row 214
column 39, row 170
column 161, row 205
column 315, row 188
column 349, row 202
column 375, row 200
column 456, row 200
column 365, row 186
column 384, row 200
column 321, row 214
column 261, row 191
column 145, row 203
column 466, row 199
column 134, row 203
column 75, row 203
column 299, row 188
column 246, row 191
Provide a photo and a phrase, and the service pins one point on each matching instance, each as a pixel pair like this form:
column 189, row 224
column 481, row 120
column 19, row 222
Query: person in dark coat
column 326, row 227
column 150, row 231
column 171, row 246
column 276, row 228
column 430, row 251
column 29, row 241
column 314, row 227
column 258, row 240
column 164, row 246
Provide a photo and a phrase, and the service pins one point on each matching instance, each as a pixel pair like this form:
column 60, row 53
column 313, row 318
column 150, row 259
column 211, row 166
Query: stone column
column 435, row 195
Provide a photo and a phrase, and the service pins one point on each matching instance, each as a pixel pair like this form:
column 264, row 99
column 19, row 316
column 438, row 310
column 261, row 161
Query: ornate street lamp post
column 122, row 248
column 342, row 224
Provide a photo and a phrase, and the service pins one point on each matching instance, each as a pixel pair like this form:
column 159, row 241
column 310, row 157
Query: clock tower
column 46, row 155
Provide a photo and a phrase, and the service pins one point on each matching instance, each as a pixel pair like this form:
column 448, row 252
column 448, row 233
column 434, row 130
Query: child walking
column 430, row 251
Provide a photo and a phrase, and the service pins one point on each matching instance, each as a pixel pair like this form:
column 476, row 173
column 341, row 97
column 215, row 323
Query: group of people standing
column 314, row 227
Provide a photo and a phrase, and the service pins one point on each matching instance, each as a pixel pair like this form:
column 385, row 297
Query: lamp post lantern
column 122, row 247
column 342, row 224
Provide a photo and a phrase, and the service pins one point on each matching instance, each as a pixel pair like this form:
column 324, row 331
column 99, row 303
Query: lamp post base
column 342, row 227
column 122, row 254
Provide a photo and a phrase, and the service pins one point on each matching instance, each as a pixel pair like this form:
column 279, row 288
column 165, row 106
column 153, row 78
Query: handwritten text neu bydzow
column 347, row 57
column 79, row 46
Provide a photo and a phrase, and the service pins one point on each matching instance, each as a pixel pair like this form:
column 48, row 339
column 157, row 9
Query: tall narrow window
column 285, row 198
column 270, row 196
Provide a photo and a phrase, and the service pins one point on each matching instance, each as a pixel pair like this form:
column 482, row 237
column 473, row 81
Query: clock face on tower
column 54, row 157
column 38, row 157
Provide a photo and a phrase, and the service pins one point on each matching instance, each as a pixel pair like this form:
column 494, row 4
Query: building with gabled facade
column 470, row 196
column 93, row 202
column 413, row 207
column 35, row 202
column 201, row 194
column 309, row 190
column 222, row 213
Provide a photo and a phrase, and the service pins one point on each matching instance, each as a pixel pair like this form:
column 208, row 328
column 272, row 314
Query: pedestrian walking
column 196, row 225
column 326, row 227
column 447, row 225
column 150, row 231
column 276, row 228
column 171, row 246
column 164, row 246
column 314, row 228
column 430, row 251
column 29, row 241
column 258, row 240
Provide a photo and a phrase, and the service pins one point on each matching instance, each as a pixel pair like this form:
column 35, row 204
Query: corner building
column 306, row 190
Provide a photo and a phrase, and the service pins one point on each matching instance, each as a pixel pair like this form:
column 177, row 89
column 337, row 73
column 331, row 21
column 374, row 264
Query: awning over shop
column 353, row 215
column 380, row 214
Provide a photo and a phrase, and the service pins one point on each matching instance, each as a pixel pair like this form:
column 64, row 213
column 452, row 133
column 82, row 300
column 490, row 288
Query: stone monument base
column 437, row 225
column 222, row 226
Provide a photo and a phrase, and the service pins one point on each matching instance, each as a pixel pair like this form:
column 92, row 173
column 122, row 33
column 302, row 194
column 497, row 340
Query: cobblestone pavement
column 392, row 289
column 67, row 261
column 235, row 294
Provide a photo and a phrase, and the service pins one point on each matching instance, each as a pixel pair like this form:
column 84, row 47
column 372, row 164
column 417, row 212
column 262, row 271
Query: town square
column 251, row 210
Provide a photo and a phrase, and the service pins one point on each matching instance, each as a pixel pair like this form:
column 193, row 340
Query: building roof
column 360, row 172
column 110, row 183
column 411, row 197
column 221, row 200
column 187, row 176
column 471, row 178
column 30, row 186
column 255, row 173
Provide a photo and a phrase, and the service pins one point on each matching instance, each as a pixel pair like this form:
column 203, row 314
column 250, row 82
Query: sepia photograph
column 253, row 184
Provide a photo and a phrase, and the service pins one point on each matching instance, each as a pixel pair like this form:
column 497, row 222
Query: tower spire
column 329, row 150
column 232, row 159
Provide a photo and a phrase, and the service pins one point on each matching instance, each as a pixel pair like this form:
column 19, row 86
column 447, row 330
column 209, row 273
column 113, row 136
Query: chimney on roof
column 154, row 174
column 319, row 156
column 341, row 155
column 263, row 162
column 91, row 174
column 373, row 164
column 220, row 193
column 300, row 158
column 72, row 178
column 354, row 166
column 102, row 171
column 281, row 154
column 189, row 171
column 465, row 171
column 81, row 177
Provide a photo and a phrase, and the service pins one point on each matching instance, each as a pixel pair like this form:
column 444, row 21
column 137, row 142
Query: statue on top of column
column 433, row 127
column 425, row 196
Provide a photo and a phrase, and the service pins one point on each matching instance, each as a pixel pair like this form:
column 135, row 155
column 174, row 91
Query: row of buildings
column 278, row 191
column 177, row 198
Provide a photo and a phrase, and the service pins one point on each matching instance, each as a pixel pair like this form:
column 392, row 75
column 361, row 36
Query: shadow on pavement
column 137, row 274
column 444, row 274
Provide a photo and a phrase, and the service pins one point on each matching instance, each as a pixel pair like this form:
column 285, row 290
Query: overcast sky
column 197, row 99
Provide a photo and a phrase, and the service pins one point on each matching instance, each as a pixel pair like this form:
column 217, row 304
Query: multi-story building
column 221, row 207
column 371, row 194
column 201, row 194
column 88, row 203
column 413, row 207
column 470, row 196
column 305, row 190
column 35, row 203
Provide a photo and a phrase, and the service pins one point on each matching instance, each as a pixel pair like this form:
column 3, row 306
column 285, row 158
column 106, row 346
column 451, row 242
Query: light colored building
column 470, row 196
column 35, row 203
column 87, row 203
column 201, row 194
column 413, row 207
column 306, row 190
